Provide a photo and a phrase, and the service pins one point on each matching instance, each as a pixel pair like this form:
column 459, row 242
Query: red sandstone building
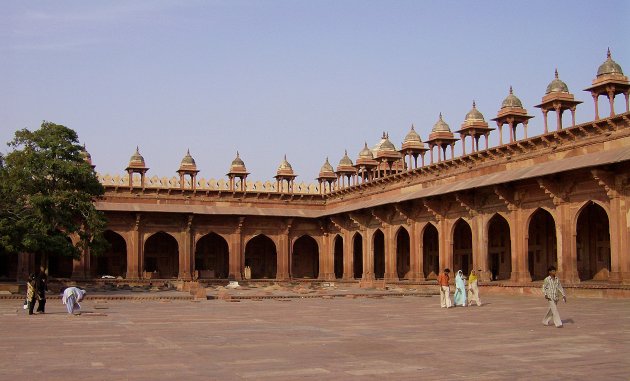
column 561, row 198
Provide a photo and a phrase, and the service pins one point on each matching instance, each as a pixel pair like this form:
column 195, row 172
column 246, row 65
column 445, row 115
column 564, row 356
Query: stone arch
column 541, row 243
column 113, row 261
column 161, row 255
column 430, row 251
column 261, row 257
column 403, row 258
column 499, row 247
column 462, row 246
column 305, row 261
column 378, row 247
column 592, row 237
column 357, row 255
column 212, row 256
column 338, row 256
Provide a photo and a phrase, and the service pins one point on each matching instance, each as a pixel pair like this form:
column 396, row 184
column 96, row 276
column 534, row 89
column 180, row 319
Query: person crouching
column 71, row 298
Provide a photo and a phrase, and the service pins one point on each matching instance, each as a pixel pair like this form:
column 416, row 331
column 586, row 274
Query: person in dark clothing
column 41, row 286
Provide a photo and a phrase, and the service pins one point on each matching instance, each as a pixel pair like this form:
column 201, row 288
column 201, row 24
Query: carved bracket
column 612, row 184
column 435, row 207
column 558, row 191
column 361, row 220
column 467, row 201
column 509, row 196
column 384, row 215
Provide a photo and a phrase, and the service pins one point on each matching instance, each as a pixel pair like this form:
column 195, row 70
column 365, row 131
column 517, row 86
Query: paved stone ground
column 365, row 338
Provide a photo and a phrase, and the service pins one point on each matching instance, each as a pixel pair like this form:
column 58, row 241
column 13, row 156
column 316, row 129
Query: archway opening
column 261, row 257
column 161, row 256
column 379, row 254
column 593, row 243
column 112, row 262
column 403, row 259
column 338, row 257
column 499, row 248
column 462, row 247
column 357, row 256
column 212, row 256
column 430, row 252
column 541, row 246
column 305, row 263
column 58, row 264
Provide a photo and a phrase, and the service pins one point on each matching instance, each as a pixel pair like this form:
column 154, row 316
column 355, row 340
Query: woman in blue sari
column 460, row 289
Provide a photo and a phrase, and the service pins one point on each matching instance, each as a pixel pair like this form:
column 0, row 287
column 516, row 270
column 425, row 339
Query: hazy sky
column 303, row 78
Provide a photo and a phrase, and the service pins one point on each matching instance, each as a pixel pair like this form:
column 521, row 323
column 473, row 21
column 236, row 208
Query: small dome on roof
column 188, row 160
column 366, row 153
column 85, row 155
column 474, row 115
column 412, row 136
column 511, row 101
column 238, row 161
column 609, row 66
column 384, row 145
column 441, row 126
column 285, row 165
column 557, row 86
column 326, row 167
column 345, row 160
column 136, row 159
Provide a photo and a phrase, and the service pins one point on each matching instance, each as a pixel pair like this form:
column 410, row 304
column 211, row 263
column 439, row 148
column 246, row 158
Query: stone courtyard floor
column 344, row 338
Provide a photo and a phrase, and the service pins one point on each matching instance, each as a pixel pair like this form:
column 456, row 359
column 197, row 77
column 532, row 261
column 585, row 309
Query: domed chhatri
column 385, row 153
column 136, row 165
column 136, row 160
column 557, row 98
column 609, row 66
column 512, row 113
column 85, row 155
column 610, row 81
column 346, row 171
column 188, row 168
column 326, row 176
column 511, row 101
column 557, row 86
column 365, row 164
column 285, row 173
column 440, row 126
column 441, row 137
column 412, row 147
column 365, row 153
column 237, row 171
column 474, row 126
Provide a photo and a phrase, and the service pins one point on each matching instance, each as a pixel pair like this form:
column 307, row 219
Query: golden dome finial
column 608, row 54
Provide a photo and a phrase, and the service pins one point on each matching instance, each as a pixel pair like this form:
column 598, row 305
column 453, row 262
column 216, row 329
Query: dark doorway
column 112, row 262
column 403, row 259
column 338, row 257
column 430, row 252
column 261, row 257
column 379, row 254
column 161, row 256
column 542, row 246
column 499, row 248
column 212, row 256
column 357, row 256
column 462, row 247
column 593, row 243
column 305, row 263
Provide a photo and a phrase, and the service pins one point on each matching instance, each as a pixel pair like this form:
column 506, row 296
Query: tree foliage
column 47, row 194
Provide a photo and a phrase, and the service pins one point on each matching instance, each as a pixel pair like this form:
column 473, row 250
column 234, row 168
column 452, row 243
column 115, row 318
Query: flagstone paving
column 360, row 338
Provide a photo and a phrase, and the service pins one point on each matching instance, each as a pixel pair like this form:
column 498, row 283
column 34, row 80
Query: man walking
column 445, row 290
column 552, row 289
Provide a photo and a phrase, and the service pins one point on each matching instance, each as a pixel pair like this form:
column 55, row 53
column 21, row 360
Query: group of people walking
column 36, row 288
column 464, row 294
column 551, row 289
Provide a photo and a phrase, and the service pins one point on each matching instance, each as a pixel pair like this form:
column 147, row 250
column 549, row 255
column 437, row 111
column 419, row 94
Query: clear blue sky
column 303, row 78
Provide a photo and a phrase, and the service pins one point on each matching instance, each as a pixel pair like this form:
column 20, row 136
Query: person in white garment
column 71, row 298
column 552, row 289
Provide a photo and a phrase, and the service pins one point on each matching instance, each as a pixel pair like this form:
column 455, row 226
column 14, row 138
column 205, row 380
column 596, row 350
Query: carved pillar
column 284, row 253
column 519, row 236
column 445, row 244
column 390, row 254
column 611, row 99
column 415, row 252
column 479, row 243
column 348, row 255
column 619, row 237
column 545, row 111
column 327, row 258
column 186, row 260
column 368, row 255
column 135, row 251
column 595, row 97
column 237, row 256
column 566, row 251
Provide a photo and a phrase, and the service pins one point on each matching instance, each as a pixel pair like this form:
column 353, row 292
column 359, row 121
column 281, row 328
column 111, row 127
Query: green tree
column 47, row 194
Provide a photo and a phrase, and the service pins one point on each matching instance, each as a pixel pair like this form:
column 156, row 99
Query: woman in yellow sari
column 473, row 288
